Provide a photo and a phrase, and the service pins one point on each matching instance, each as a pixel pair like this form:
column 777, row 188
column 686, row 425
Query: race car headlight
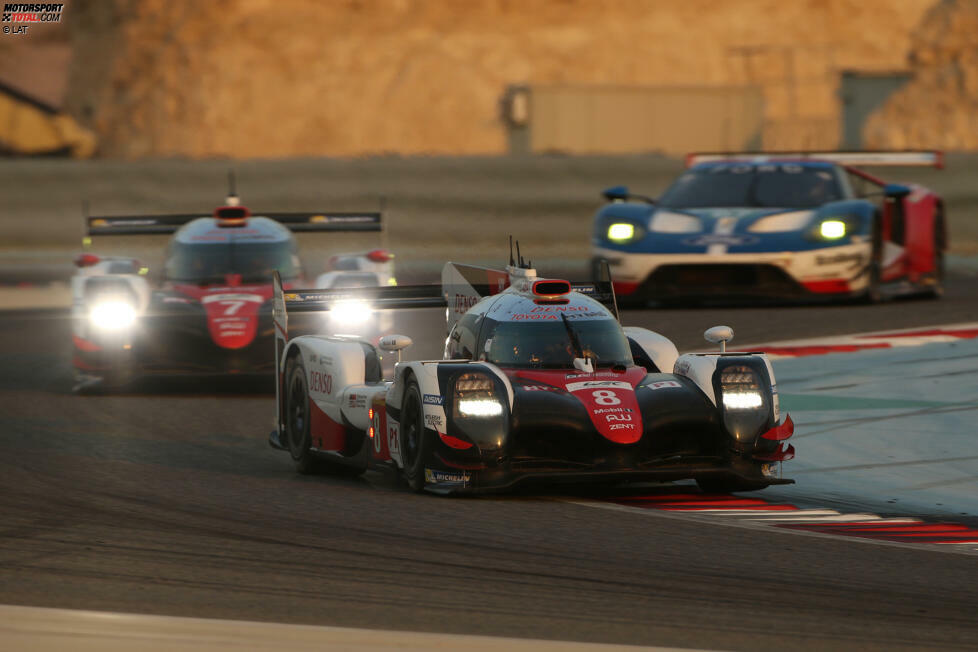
column 479, row 407
column 741, row 388
column 475, row 396
column 350, row 313
column 744, row 400
column 112, row 315
column 832, row 229
column 621, row 232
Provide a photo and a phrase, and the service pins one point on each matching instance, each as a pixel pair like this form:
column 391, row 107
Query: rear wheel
column 415, row 443
column 873, row 292
column 936, row 290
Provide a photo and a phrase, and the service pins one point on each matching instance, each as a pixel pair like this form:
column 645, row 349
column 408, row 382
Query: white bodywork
column 106, row 268
column 700, row 367
column 659, row 348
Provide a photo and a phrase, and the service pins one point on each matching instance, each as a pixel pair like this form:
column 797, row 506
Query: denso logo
column 463, row 302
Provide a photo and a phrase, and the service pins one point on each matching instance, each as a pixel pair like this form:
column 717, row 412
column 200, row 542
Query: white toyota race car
column 539, row 382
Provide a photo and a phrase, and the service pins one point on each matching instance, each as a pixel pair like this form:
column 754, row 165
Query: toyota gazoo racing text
column 212, row 312
column 539, row 382
column 780, row 225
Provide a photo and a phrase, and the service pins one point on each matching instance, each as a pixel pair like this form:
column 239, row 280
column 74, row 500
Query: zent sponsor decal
column 433, row 399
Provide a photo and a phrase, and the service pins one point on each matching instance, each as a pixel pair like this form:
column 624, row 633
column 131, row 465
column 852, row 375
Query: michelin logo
column 446, row 477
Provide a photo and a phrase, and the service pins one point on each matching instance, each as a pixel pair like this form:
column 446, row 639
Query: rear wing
column 908, row 158
column 166, row 224
column 381, row 297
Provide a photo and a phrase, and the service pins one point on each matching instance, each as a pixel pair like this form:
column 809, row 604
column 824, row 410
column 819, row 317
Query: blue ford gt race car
column 776, row 225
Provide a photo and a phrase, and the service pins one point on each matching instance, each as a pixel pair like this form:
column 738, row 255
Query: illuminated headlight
column 742, row 400
column 480, row 407
column 350, row 313
column 475, row 396
column 112, row 315
column 832, row 229
column 746, row 406
column 741, row 388
column 621, row 232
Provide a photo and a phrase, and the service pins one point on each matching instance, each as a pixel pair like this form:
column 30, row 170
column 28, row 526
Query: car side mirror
column 896, row 190
column 719, row 335
column 393, row 343
column 616, row 193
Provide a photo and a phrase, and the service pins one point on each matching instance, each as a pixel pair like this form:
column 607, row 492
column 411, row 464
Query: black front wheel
column 415, row 442
column 297, row 417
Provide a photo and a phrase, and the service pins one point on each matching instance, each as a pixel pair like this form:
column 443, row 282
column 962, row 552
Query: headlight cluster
column 112, row 315
column 832, row 229
column 745, row 402
column 350, row 312
column 621, row 232
column 475, row 396
column 741, row 388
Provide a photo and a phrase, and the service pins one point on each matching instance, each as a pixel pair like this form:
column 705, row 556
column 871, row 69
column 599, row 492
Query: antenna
column 86, row 238
column 519, row 256
column 232, row 198
column 512, row 263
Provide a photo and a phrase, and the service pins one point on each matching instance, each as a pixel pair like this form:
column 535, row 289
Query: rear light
column 86, row 260
column 379, row 255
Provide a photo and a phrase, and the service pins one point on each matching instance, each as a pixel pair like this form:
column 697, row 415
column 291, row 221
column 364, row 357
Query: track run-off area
column 167, row 503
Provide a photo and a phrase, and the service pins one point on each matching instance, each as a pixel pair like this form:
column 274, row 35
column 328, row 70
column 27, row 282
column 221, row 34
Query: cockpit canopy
column 514, row 331
column 205, row 252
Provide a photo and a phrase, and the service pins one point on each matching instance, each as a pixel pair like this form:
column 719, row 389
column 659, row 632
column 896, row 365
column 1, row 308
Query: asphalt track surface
column 169, row 501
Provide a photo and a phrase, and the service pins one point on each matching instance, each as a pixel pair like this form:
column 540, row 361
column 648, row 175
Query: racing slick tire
column 297, row 417
column 415, row 440
column 297, row 426
column 936, row 291
column 874, row 293
column 725, row 486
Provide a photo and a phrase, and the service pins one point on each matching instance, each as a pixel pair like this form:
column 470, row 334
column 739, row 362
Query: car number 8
column 605, row 397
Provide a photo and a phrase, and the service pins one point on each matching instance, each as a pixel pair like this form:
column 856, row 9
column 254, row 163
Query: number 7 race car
column 777, row 225
column 212, row 313
column 539, row 383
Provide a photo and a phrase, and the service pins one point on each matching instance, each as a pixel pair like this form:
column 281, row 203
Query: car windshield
column 747, row 185
column 549, row 344
column 212, row 262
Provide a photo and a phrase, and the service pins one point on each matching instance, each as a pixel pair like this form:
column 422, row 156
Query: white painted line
column 881, row 521
column 837, row 518
column 49, row 630
column 726, row 512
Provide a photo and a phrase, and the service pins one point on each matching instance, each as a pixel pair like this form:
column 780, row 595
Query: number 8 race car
column 539, row 383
